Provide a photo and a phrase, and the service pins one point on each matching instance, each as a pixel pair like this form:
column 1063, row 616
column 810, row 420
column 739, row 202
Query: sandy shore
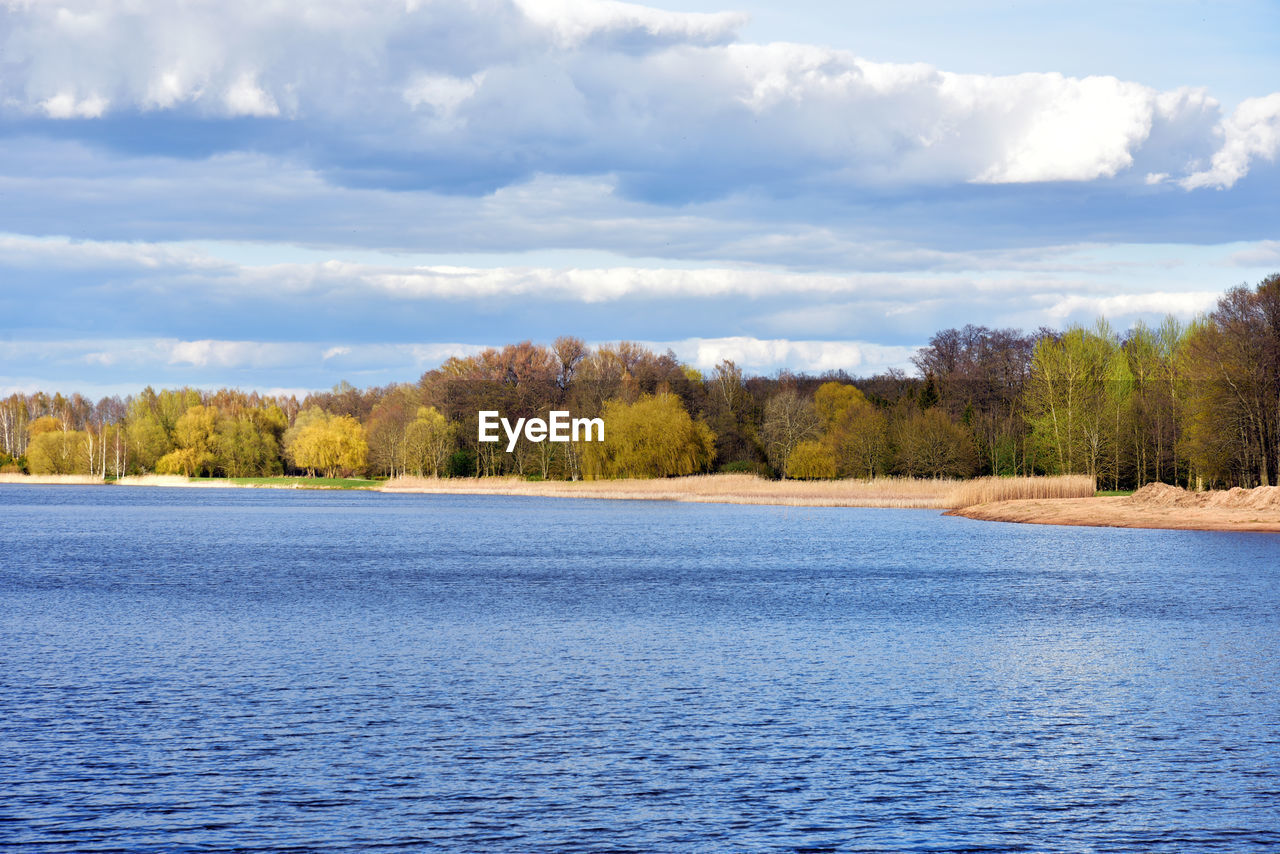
column 712, row 489
column 1156, row 505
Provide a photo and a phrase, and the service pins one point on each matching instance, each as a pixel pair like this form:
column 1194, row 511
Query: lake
column 266, row 670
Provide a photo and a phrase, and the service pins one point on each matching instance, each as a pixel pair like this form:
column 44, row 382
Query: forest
column 1195, row 404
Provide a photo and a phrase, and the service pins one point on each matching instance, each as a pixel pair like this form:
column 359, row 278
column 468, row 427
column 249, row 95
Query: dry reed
column 985, row 490
column 52, row 479
column 900, row 492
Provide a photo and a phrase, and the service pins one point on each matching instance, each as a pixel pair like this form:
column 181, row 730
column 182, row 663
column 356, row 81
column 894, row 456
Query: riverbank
column 175, row 480
column 909, row 493
column 709, row 488
column 1041, row 500
column 1156, row 505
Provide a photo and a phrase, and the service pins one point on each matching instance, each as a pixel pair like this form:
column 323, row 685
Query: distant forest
column 1196, row 404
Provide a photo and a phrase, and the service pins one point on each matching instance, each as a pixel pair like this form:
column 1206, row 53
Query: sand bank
column 1156, row 505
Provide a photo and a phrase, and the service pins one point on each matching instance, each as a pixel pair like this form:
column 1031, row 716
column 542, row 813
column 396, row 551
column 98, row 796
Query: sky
column 282, row 195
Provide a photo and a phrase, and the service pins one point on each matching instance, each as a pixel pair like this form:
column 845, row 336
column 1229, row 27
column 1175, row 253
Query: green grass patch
column 1111, row 493
column 304, row 482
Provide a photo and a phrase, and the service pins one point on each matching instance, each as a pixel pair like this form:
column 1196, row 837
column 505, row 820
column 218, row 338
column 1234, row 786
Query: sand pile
column 1156, row 505
column 1258, row 498
column 1164, row 495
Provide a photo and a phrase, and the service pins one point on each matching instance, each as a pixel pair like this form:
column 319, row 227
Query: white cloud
column 245, row 97
column 19, row 251
column 441, row 92
column 65, row 105
column 1252, row 131
column 759, row 355
column 1067, row 130
column 496, row 92
column 195, row 360
column 1184, row 304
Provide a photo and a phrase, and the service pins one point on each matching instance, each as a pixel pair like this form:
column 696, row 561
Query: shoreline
column 1155, row 506
column 900, row 493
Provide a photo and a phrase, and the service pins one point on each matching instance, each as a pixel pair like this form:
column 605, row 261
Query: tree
column 57, row 452
column 1077, row 384
column 327, row 443
column 811, row 460
column 930, row 444
column 245, row 447
column 789, row 419
column 195, row 437
column 653, row 437
column 1231, row 362
column 429, row 440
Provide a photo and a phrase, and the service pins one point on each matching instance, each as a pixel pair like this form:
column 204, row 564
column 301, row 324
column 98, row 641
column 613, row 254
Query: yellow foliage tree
column 328, row 444
column 833, row 400
column 58, row 452
column 811, row 461
column 195, row 434
column 855, row 432
column 429, row 440
column 653, row 437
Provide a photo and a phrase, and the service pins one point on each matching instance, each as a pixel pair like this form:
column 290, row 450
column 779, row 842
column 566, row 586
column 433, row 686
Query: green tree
column 246, row 447
column 1078, row 383
column 429, row 440
column 58, row 452
column 195, row 437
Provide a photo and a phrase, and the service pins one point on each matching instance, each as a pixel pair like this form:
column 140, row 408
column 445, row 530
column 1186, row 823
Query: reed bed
column 985, row 490
column 52, row 479
column 899, row 492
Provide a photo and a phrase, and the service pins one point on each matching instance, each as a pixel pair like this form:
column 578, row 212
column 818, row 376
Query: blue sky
column 283, row 195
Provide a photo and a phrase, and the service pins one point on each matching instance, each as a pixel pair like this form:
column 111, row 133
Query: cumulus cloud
column 1251, row 132
column 481, row 94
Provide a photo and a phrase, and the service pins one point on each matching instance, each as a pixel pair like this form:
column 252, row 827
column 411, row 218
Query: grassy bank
column 303, row 482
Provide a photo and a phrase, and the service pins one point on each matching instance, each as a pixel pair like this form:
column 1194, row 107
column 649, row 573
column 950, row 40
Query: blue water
column 217, row 670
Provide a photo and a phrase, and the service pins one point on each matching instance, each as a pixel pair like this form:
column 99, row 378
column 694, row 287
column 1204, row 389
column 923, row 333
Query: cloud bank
column 471, row 95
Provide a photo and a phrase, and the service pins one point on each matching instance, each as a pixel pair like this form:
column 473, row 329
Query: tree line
column 1197, row 404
